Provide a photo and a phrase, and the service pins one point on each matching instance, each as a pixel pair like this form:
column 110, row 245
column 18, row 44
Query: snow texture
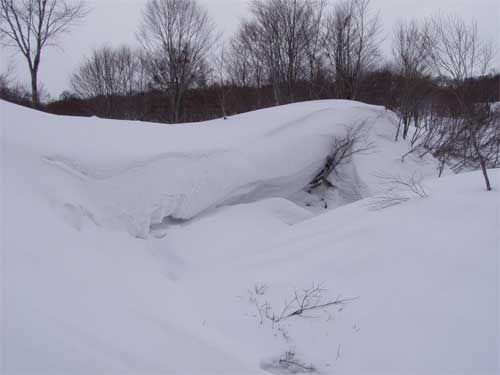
column 133, row 176
column 221, row 210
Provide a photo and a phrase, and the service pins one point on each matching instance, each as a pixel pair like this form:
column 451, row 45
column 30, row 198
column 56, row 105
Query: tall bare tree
column 220, row 78
column 285, row 30
column 246, row 60
column 467, row 135
column 458, row 52
column 412, row 47
column 108, row 73
column 177, row 36
column 239, row 64
column 351, row 42
column 11, row 90
column 459, row 55
column 314, row 51
column 31, row 25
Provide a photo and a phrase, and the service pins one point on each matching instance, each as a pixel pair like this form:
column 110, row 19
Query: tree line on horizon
column 283, row 52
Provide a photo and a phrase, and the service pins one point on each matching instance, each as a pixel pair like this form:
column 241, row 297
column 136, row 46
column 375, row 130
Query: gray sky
column 115, row 22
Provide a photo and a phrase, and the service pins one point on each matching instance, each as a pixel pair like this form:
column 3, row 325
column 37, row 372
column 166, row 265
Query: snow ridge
column 264, row 154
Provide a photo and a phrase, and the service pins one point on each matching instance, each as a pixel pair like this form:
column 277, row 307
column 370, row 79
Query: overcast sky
column 115, row 22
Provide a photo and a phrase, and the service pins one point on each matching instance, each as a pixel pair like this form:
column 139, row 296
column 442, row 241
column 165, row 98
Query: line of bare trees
column 466, row 134
column 284, row 51
column 291, row 43
column 109, row 73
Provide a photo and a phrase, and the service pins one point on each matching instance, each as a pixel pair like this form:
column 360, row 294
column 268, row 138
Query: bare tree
column 459, row 55
column 239, row 65
column 463, row 141
column 458, row 52
column 285, row 30
column 221, row 80
column 176, row 36
column 108, row 73
column 412, row 52
column 246, row 60
column 6, row 80
column 31, row 25
column 482, row 139
column 351, row 43
column 10, row 90
column 314, row 51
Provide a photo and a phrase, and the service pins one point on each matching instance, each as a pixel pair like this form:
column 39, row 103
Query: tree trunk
column 177, row 107
column 173, row 109
column 399, row 129
column 485, row 174
column 35, row 99
column 406, row 125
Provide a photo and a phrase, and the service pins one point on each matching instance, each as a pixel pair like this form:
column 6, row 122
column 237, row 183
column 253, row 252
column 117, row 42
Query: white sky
column 115, row 22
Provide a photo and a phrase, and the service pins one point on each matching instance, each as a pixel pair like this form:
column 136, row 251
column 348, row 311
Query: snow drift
column 81, row 299
column 133, row 176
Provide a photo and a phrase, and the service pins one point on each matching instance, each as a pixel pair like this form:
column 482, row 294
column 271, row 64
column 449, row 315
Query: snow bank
column 134, row 176
column 94, row 301
column 81, row 299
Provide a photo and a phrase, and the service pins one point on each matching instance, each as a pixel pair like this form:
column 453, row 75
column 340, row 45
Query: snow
column 220, row 207
column 133, row 176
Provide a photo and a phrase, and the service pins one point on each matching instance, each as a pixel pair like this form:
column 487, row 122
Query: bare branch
column 354, row 141
column 397, row 189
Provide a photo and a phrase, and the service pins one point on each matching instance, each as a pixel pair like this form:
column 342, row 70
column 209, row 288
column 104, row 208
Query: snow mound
column 94, row 301
column 82, row 299
column 136, row 176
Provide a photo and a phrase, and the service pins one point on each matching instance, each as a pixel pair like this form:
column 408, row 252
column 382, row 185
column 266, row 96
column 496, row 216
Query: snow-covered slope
column 134, row 176
column 78, row 298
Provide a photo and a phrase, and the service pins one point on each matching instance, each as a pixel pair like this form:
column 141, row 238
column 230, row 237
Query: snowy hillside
column 132, row 248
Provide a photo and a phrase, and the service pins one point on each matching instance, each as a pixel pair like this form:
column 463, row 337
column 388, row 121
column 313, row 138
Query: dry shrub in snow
column 397, row 190
column 310, row 303
column 354, row 141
